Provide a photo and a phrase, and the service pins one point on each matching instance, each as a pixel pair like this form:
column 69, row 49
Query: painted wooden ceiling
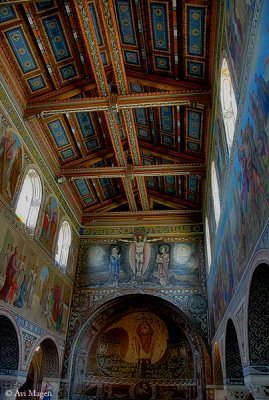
column 121, row 92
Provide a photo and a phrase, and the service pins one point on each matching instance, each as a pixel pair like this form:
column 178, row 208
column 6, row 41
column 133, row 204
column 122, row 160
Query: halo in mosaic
column 7, row 13
column 56, row 37
column 21, row 49
column 36, row 83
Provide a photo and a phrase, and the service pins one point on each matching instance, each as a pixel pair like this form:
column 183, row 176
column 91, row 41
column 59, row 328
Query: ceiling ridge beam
column 118, row 102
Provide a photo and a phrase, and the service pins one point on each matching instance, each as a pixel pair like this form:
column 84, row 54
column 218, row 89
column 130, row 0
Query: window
column 208, row 244
column 63, row 244
column 228, row 103
column 215, row 193
column 30, row 199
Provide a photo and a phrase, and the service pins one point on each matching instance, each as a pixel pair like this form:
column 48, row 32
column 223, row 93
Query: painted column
column 10, row 385
column 258, row 384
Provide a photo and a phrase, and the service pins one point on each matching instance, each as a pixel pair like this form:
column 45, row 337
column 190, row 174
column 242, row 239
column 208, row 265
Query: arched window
column 63, row 245
column 30, row 199
column 208, row 244
column 215, row 193
column 228, row 103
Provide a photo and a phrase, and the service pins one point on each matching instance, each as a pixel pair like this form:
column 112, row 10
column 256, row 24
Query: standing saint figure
column 162, row 261
column 114, row 264
column 144, row 342
column 141, row 252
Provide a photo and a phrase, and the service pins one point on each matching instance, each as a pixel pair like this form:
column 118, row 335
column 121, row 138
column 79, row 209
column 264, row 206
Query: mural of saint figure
column 11, row 270
column 162, row 261
column 114, row 264
column 10, row 162
column 50, row 220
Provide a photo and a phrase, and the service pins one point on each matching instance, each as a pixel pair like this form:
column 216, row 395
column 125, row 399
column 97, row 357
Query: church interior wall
column 240, row 241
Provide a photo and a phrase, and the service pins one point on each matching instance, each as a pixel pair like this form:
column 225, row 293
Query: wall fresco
column 11, row 159
column 50, row 222
column 29, row 286
column 247, row 207
column 141, row 262
column 238, row 15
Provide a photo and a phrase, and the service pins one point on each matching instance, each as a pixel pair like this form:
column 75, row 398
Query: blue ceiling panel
column 144, row 133
column 42, row 5
column 193, row 183
column 7, row 13
column 162, row 63
column 57, row 130
column 95, row 24
column 68, row 71
column 136, row 87
column 21, row 49
column 92, row 144
column 193, row 146
column 124, row 13
column 56, row 37
column 194, row 124
column 36, row 83
column 68, row 153
column 105, row 182
column 195, row 69
column 85, row 124
column 196, row 26
column 159, row 26
column 167, row 121
column 88, row 201
column 82, row 187
column 141, row 116
column 131, row 57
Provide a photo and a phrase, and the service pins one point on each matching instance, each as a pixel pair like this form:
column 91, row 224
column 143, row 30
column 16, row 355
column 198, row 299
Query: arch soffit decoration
column 239, row 341
column 6, row 313
column 261, row 257
column 39, row 342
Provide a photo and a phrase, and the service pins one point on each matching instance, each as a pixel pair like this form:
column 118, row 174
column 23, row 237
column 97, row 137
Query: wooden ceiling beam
column 130, row 171
column 155, row 81
column 167, row 198
column 106, row 205
column 168, row 154
column 115, row 102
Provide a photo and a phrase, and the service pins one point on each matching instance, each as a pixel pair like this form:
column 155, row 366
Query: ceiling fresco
column 121, row 92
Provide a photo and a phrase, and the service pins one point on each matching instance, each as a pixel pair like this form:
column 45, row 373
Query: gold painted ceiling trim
column 116, row 103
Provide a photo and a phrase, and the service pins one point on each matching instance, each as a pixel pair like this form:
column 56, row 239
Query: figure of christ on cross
column 139, row 240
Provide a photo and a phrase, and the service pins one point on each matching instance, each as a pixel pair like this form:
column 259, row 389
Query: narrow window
column 63, row 245
column 208, row 244
column 228, row 103
column 30, row 199
column 215, row 193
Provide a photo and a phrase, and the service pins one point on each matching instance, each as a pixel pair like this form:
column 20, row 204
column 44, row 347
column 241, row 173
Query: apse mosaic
column 29, row 286
column 248, row 192
column 140, row 262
